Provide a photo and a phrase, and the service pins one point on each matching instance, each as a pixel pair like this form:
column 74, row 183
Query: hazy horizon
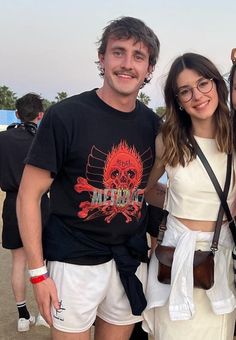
column 50, row 46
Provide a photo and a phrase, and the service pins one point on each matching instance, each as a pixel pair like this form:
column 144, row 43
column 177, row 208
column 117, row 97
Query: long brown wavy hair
column 177, row 128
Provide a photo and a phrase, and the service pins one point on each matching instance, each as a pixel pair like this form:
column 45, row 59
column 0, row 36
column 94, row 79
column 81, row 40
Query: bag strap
column 162, row 227
column 215, row 240
column 222, row 195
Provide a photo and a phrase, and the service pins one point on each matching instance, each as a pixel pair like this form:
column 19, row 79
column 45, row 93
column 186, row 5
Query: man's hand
column 46, row 295
column 153, row 244
column 156, row 195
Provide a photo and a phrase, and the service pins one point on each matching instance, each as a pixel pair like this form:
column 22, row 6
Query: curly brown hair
column 126, row 28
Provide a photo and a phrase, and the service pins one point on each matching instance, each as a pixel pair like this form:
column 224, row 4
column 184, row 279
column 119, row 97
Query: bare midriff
column 198, row 225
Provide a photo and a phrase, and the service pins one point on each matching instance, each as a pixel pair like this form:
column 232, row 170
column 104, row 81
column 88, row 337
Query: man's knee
column 107, row 331
column 59, row 335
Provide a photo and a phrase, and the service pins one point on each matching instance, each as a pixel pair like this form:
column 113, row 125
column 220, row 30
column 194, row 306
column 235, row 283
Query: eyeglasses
column 185, row 94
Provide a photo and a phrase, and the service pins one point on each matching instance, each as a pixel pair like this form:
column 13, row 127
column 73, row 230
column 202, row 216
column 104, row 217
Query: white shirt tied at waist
column 180, row 292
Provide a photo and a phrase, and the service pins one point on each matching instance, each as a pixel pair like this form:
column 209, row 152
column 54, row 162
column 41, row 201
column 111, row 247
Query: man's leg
column 107, row 331
column 58, row 335
column 19, row 288
column 18, row 273
column 80, row 290
column 116, row 310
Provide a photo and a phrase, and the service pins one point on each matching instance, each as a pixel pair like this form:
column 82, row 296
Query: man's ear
column 16, row 114
column 150, row 71
column 101, row 59
column 40, row 116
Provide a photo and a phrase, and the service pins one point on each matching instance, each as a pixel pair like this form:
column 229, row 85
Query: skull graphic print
column 115, row 183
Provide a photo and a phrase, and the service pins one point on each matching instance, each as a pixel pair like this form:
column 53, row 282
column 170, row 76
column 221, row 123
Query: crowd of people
column 82, row 195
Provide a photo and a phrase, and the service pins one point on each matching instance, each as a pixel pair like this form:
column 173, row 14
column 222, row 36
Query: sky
column 49, row 46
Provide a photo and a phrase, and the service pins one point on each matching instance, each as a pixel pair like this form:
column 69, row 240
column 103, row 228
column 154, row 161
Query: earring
column 149, row 77
column 181, row 108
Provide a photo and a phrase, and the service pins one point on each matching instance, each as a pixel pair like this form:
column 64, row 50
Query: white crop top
column 190, row 192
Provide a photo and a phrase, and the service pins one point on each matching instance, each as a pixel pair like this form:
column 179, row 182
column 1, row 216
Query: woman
column 232, row 82
column 196, row 109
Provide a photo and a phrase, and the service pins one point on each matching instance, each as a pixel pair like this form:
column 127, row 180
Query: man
column 95, row 150
column 233, row 55
column 14, row 145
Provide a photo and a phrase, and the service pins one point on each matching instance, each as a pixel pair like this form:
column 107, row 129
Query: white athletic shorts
column 85, row 292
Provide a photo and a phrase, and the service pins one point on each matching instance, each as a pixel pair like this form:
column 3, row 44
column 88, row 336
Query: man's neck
column 118, row 102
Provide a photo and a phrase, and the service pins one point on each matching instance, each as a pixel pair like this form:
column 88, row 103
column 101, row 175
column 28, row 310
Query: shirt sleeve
column 155, row 216
column 50, row 146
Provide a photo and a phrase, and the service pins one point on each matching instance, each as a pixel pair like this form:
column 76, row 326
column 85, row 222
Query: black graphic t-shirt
column 100, row 159
column 14, row 145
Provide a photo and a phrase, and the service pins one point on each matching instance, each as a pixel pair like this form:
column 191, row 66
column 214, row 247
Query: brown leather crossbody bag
column 203, row 263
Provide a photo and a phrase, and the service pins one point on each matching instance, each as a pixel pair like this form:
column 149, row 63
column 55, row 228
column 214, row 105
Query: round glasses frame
column 190, row 89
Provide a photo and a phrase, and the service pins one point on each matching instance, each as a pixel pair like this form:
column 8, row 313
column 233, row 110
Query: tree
column 144, row 98
column 7, row 98
column 61, row 95
column 47, row 103
column 160, row 111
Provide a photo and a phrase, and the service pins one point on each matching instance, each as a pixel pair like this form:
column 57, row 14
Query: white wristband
column 38, row 271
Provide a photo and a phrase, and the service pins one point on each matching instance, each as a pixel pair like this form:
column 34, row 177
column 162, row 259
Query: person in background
column 233, row 55
column 94, row 151
column 14, row 145
column 232, row 84
column 196, row 110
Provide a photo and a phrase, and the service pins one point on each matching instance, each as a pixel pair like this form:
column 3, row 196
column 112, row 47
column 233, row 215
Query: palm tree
column 61, row 95
column 144, row 98
column 7, row 98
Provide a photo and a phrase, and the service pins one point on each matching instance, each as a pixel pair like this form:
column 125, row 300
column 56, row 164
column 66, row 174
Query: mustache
column 126, row 73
